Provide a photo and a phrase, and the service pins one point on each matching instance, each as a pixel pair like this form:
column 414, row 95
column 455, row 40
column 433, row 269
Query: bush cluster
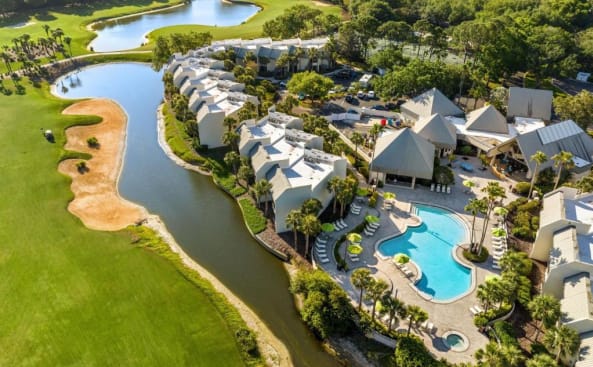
column 524, row 216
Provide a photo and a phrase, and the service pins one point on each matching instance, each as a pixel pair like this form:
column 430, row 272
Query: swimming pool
column 430, row 246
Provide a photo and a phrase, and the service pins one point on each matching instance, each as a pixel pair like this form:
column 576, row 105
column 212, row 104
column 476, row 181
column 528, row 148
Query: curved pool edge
column 466, row 342
column 470, row 266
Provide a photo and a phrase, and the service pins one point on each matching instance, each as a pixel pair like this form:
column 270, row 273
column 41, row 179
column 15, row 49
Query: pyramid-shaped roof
column 487, row 119
column 404, row 153
column 437, row 130
column 431, row 102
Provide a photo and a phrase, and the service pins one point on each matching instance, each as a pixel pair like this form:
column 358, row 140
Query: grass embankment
column 252, row 28
column 75, row 296
column 253, row 216
column 73, row 20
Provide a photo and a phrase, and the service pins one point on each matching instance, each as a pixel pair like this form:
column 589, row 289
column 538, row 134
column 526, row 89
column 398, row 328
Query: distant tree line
column 7, row 6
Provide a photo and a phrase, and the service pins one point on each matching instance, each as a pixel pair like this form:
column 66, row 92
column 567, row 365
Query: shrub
column 247, row 342
column 253, row 216
column 522, row 233
column 465, row 150
column 380, row 184
column 81, row 167
column 522, row 188
column 443, row 175
column 480, row 321
column 505, row 333
column 411, row 352
column 476, row 258
column 92, row 142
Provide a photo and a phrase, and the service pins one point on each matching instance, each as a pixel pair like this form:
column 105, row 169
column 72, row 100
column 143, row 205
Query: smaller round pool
column 456, row 341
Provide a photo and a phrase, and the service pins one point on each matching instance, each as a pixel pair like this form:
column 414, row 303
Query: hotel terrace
column 291, row 160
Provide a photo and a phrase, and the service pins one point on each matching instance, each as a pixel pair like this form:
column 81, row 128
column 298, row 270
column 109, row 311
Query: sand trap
column 319, row 3
column 96, row 199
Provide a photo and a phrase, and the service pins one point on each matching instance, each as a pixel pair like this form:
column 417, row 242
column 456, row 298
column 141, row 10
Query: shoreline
column 271, row 348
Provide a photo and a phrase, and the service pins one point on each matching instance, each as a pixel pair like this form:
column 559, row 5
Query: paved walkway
column 445, row 316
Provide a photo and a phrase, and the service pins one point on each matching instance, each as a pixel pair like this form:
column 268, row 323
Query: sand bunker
column 97, row 202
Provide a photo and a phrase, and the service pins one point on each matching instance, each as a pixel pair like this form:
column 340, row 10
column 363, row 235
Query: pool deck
column 446, row 317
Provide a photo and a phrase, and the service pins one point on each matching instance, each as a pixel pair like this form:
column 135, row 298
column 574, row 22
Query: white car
column 360, row 94
column 371, row 94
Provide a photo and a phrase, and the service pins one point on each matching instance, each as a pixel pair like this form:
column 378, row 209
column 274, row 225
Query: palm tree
column 491, row 356
column 562, row 160
column 310, row 226
column 229, row 122
column 68, row 41
column 416, row 315
column 487, row 294
column 545, row 309
column 356, row 139
column 516, row 262
column 361, row 279
column 375, row 292
column 563, row 340
column 231, row 139
column 393, row 307
column 311, row 206
column 334, row 184
column 539, row 158
column 374, row 132
column 344, row 196
column 57, row 34
column 494, row 192
column 7, row 59
column 475, row 207
column 541, row 360
column 232, row 159
column 262, row 189
column 46, row 29
column 293, row 221
column 512, row 355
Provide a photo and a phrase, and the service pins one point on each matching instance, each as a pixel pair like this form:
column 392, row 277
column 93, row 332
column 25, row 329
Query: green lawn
column 72, row 296
column 250, row 29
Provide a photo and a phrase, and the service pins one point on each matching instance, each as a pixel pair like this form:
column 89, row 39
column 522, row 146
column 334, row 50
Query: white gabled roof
column 487, row 119
column 404, row 153
column 431, row 102
column 437, row 130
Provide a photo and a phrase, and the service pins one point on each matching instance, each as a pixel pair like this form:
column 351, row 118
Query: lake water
column 203, row 220
column 130, row 32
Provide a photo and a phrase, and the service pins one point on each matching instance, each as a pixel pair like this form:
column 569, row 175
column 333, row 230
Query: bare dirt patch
column 96, row 199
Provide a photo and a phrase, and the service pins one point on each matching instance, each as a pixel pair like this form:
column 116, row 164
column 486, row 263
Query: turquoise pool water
column 430, row 246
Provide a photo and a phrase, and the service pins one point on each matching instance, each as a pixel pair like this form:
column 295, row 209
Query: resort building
column 291, row 160
column 212, row 92
column 305, row 54
column 427, row 104
column 565, row 241
column 402, row 153
column 439, row 131
column 530, row 103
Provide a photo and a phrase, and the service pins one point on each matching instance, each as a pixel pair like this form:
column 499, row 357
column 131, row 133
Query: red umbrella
column 383, row 122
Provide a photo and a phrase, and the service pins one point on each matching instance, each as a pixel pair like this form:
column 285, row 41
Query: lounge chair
column 321, row 240
column 374, row 225
column 357, row 207
column 424, row 325
column 444, row 189
column 408, row 273
column 324, row 260
column 496, row 266
column 479, row 308
column 321, row 251
column 355, row 211
column 370, row 229
column 473, row 310
column 430, row 328
column 344, row 224
column 432, row 186
column 354, row 259
column 320, row 247
column 438, row 187
column 370, row 234
column 448, row 189
column 338, row 226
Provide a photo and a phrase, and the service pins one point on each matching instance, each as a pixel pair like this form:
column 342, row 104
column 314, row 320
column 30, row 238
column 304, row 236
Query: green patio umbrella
column 327, row 227
column 355, row 249
column 389, row 196
column 354, row 237
column 499, row 210
column 499, row 232
column 372, row 219
column 469, row 183
column 401, row 258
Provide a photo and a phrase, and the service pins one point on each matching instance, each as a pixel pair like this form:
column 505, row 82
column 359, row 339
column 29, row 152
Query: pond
column 204, row 221
column 130, row 32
